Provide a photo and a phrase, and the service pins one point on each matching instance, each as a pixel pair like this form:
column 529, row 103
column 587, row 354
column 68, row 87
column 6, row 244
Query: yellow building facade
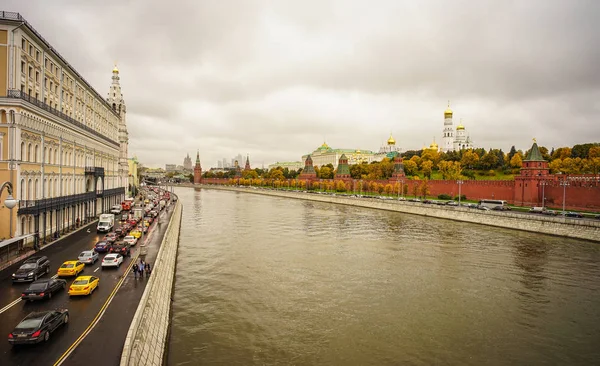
column 63, row 147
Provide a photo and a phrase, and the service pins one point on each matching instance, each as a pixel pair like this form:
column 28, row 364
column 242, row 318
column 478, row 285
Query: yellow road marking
column 97, row 318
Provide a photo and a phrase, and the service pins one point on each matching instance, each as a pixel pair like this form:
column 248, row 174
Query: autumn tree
column 516, row 161
column 326, row 172
column 469, row 159
column 489, row 160
column 410, row 167
column 426, row 168
column 424, row 188
column 450, row 169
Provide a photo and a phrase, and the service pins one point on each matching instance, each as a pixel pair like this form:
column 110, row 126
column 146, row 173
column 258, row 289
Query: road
column 82, row 310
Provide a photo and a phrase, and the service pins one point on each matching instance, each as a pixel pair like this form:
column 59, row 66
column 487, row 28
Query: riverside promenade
column 558, row 226
column 146, row 340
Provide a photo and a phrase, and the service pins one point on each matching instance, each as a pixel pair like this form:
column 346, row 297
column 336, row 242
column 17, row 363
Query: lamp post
column 564, row 184
column 402, row 186
column 10, row 202
column 460, row 183
column 543, row 184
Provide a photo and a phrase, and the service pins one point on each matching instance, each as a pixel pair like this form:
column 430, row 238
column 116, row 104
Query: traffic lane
column 64, row 250
column 108, row 337
column 82, row 310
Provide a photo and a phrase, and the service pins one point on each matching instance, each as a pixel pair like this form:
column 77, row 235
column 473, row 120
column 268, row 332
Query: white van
column 116, row 209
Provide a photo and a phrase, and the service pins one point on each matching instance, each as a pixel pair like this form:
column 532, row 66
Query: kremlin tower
column 197, row 170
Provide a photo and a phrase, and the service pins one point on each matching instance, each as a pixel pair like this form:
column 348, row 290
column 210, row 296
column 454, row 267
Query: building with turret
column 454, row 140
column 247, row 166
column 187, row 163
column 197, row 170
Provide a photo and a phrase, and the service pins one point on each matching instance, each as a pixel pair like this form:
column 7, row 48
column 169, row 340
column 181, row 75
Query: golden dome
column 433, row 146
column 448, row 112
column 358, row 151
column 391, row 140
column 115, row 69
column 460, row 127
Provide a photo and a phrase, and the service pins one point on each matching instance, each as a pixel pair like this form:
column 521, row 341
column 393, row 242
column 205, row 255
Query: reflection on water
column 269, row 281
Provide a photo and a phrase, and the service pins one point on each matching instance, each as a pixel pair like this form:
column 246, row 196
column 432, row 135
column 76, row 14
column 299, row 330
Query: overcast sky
column 275, row 79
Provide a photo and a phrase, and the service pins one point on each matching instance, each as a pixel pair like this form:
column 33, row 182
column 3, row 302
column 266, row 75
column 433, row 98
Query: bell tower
column 115, row 99
column 448, row 134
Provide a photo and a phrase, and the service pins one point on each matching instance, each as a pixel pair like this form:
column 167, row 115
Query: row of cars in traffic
column 38, row 326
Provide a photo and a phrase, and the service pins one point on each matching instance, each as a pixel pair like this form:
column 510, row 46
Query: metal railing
column 32, row 207
column 14, row 16
column 114, row 191
column 18, row 94
column 95, row 170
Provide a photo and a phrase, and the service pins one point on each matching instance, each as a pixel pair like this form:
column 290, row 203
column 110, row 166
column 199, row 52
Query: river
column 272, row 281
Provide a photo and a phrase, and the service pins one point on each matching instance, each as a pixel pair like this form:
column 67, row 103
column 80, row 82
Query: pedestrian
column 148, row 270
column 141, row 268
column 135, row 270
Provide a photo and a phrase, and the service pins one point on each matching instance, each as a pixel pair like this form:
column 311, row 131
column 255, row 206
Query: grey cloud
column 276, row 78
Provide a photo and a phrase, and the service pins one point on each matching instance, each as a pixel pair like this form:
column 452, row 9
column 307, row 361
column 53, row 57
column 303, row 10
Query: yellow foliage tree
column 516, row 161
column 469, row 159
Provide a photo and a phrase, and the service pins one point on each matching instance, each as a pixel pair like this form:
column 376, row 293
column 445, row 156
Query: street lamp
column 564, row 184
column 10, row 202
column 460, row 183
column 543, row 184
column 402, row 186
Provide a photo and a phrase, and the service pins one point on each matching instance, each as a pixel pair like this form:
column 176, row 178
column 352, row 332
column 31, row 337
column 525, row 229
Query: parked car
column 43, row 289
column 125, row 217
column 102, row 247
column 38, row 326
column 70, row 268
column 131, row 240
column 550, row 213
column 88, row 257
column 483, row 208
column 84, row 285
column 427, row 202
column 112, row 260
column 574, row 214
column 31, row 269
column 597, row 217
column 452, row 203
column 121, row 248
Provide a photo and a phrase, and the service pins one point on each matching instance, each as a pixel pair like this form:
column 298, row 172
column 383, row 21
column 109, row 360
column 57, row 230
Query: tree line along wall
column 579, row 195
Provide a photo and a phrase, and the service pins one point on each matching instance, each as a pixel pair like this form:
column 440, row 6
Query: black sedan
column 43, row 289
column 38, row 326
column 121, row 248
column 574, row 214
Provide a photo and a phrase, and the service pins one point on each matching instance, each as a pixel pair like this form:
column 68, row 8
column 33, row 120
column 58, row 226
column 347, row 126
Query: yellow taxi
column 70, row 268
column 136, row 233
column 146, row 224
column 84, row 285
column 147, row 201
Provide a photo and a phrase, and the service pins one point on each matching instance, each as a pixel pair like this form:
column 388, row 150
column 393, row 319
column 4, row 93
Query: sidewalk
column 27, row 253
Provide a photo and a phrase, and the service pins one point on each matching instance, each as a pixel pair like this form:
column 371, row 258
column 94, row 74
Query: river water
column 271, row 281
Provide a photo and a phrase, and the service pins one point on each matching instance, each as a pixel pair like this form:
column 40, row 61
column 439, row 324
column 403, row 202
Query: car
column 452, row 203
column 43, row 289
column 102, row 247
column 154, row 213
column 70, row 268
column 483, row 208
column 31, row 269
column 135, row 233
column 84, row 285
column 110, row 238
column 574, row 214
column 550, row 213
column 149, row 220
column 130, row 239
column 427, row 202
column 597, row 217
column 37, row 326
column 145, row 229
column 125, row 217
column 121, row 248
column 119, row 232
column 112, row 260
column 88, row 257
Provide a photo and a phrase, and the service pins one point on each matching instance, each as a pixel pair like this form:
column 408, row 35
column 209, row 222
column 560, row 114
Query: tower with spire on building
column 115, row 99
column 187, row 163
column 247, row 166
column 197, row 170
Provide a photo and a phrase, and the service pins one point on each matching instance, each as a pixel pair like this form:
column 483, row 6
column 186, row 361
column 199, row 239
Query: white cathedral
column 454, row 140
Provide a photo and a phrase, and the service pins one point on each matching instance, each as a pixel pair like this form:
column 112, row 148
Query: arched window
column 45, row 188
column 55, row 190
column 23, row 226
column 22, row 195
column 23, row 151
column 36, row 153
column 56, row 156
column 29, row 189
column 29, row 152
column 45, row 155
column 36, row 189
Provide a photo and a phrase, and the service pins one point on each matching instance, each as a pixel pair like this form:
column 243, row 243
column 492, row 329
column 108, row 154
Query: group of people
column 141, row 268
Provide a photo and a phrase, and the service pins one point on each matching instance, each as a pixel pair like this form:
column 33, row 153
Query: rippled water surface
column 270, row 281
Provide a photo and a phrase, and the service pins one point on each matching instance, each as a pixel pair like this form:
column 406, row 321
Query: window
column 45, row 62
column 37, row 95
column 22, row 67
column 29, row 152
column 23, row 44
column 36, row 152
column 37, row 76
column 37, row 56
column 30, row 91
column 30, row 72
column 31, row 50
column 22, row 88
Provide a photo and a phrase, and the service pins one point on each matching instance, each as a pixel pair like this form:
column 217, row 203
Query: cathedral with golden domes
column 453, row 140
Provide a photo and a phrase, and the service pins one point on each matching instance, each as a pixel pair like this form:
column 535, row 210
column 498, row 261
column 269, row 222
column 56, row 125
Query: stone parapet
column 559, row 226
column 146, row 340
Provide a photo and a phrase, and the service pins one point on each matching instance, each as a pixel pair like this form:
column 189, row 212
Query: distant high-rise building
column 220, row 164
column 187, row 162
column 225, row 163
column 170, row 168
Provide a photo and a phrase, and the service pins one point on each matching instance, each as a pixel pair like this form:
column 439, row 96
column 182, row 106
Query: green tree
column 426, row 168
column 410, row 167
column 489, row 160
column 326, row 172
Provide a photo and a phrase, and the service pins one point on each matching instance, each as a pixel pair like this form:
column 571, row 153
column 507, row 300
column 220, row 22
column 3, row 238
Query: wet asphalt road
column 82, row 310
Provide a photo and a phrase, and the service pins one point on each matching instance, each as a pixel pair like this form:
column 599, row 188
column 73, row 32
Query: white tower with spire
column 448, row 136
column 115, row 99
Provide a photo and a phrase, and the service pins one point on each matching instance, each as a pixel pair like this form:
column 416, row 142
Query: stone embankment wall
column 147, row 337
column 567, row 227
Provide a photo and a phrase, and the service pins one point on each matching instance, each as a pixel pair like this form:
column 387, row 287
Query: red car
column 121, row 248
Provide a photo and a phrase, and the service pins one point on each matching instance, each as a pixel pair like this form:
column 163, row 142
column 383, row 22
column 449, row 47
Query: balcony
column 17, row 94
column 113, row 192
column 96, row 171
column 35, row 207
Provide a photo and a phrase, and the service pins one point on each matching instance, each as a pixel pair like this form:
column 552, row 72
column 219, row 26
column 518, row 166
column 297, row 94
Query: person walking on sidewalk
column 141, row 268
column 148, row 269
column 135, row 270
